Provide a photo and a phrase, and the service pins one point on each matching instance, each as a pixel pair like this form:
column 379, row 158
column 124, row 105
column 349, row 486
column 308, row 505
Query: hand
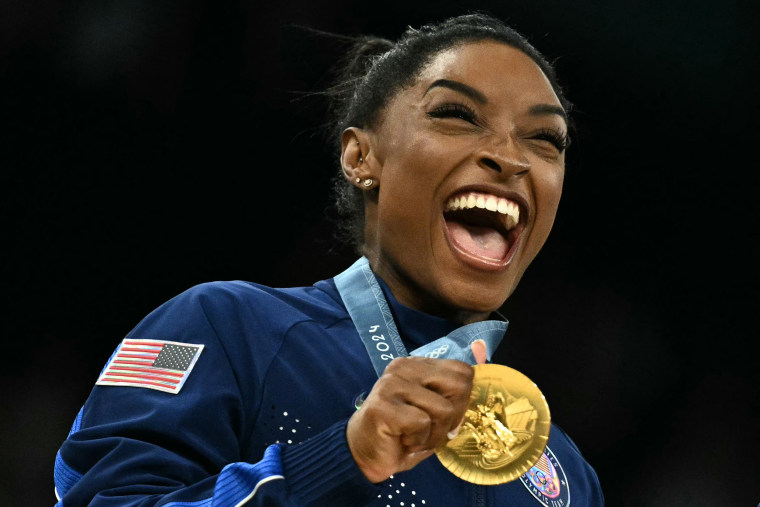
column 409, row 412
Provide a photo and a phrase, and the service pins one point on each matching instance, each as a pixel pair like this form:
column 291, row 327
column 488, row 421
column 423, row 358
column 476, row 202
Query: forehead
column 494, row 68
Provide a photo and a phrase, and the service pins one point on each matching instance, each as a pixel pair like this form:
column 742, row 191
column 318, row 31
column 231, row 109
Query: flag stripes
column 154, row 364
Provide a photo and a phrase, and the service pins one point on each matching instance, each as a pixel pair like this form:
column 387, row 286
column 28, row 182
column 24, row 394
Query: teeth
column 511, row 221
column 489, row 202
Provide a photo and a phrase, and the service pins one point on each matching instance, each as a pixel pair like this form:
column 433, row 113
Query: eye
column 557, row 138
column 454, row 110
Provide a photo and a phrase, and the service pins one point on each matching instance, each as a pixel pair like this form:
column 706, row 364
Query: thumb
column 478, row 348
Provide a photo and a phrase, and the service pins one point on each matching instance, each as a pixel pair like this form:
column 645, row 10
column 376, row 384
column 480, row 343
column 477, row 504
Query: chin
column 474, row 300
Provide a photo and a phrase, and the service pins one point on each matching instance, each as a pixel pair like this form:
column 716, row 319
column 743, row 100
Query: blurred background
column 152, row 145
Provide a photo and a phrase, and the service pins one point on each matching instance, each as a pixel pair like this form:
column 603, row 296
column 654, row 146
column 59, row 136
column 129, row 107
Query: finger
column 441, row 414
column 478, row 348
column 383, row 433
column 451, row 435
column 418, row 416
column 423, row 369
column 408, row 411
column 413, row 426
column 457, row 391
column 448, row 378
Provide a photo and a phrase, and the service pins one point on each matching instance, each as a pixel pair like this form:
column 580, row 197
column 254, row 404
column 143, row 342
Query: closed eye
column 454, row 110
column 557, row 138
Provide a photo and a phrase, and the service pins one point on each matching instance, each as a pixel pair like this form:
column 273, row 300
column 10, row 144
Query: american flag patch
column 543, row 465
column 154, row 364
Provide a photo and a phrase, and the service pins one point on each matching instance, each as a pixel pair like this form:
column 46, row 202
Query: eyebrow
column 548, row 109
column 461, row 88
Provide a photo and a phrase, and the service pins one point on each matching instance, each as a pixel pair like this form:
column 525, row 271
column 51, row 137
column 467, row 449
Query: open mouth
column 482, row 226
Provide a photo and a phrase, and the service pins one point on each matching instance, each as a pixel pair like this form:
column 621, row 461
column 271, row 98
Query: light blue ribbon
column 366, row 304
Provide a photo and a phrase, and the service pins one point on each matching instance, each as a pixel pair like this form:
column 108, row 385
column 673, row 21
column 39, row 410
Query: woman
column 452, row 147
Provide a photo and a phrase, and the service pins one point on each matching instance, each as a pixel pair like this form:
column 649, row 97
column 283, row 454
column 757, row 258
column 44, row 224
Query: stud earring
column 368, row 182
column 358, row 180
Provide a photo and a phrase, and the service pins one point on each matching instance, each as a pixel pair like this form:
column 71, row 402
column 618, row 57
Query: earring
column 358, row 180
column 361, row 159
column 368, row 182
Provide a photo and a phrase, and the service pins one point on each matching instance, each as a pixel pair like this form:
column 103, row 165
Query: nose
column 504, row 156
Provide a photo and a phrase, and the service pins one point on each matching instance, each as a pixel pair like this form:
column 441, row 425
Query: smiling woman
column 452, row 161
column 480, row 128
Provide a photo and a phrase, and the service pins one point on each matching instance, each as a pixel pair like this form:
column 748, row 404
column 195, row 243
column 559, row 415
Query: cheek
column 409, row 181
column 424, row 156
column 548, row 190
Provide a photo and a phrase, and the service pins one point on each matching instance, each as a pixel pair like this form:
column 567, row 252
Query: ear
column 355, row 149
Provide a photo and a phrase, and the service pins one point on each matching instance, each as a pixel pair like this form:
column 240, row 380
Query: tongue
column 478, row 240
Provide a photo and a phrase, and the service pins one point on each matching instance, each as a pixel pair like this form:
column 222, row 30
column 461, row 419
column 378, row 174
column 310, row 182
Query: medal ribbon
column 369, row 310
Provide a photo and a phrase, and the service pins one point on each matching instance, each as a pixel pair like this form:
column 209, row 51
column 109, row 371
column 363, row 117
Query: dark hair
column 375, row 69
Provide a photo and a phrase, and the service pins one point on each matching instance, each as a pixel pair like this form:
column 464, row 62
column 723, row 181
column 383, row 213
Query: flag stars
column 175, row 357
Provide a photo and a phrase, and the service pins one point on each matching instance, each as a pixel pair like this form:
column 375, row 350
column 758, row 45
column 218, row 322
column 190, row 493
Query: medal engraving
column 505, row 429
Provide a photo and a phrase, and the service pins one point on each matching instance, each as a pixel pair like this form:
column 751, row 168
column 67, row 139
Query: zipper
column 480, row 496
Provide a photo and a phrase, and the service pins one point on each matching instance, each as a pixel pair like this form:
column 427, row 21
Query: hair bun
column 359, row 58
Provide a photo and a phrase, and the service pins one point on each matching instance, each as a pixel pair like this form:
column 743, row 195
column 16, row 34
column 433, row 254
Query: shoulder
column 241, row 299
column 243, row 313
column 242, row 324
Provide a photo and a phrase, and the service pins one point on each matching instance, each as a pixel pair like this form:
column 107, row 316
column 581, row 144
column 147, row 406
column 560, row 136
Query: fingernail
column 453, row 433
column 479, row 351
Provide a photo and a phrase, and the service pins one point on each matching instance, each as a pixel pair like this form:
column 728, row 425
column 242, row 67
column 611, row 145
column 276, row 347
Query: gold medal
column 505, row 428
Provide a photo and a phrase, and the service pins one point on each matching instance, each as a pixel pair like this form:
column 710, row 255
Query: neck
column 410, row 294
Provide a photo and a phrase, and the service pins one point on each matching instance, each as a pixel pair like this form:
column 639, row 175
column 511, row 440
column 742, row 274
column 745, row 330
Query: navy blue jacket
column 261, row 417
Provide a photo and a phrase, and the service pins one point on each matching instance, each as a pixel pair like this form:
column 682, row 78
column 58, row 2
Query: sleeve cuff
column 322, row 470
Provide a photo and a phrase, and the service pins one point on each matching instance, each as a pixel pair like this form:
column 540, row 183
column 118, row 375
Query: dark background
column 153, row 145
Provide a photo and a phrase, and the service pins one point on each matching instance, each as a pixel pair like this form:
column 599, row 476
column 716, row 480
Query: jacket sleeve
column 140, row 446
